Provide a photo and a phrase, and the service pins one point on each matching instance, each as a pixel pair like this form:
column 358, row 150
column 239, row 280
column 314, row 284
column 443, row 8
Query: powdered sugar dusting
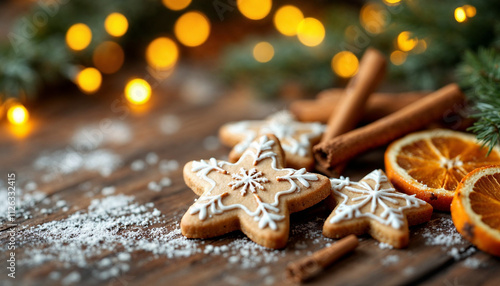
column 92, row 136
column 442, row 231
column 460, row 253
column 83, row 154
column 408, row 271
column 472, row 263
column 390, row 259
column 4, row 203
column 27, row 197
column 86, row 234
column 383, row 245
column 113, row 228
column 63, row 162
column 170, row 124
column 72, row 278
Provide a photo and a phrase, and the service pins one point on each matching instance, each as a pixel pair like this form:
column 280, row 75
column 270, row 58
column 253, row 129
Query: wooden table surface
column 436, row 254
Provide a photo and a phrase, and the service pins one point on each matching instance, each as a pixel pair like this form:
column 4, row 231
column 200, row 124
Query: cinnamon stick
column 349, row 113
column 310, row 266
column 371, row 71
column 378, row 105
column 411, row 118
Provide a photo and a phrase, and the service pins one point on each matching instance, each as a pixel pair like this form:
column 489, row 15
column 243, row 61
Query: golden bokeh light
column 310, row 32
column 108, row 57
column 263, row 52
column 162, row 53
column 17, row 114
column 89, row 80
column 192, row 29
column 254, row 9
column 345, row 64
column 460, row 15
column 78, row 37
column 287, row 19
column 176, row 5
column 470, row 11
column 398, row 57
column 420, row 47
column 138, row 91
column 373, row 19
column 116, row 24
column 392, row 2
column 406, row 42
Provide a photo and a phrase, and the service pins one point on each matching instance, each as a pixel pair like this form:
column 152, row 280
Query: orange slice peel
column 431, row 164
column 475, row 209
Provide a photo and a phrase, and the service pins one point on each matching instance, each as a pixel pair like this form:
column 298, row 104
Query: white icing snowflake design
column 376, row 197
column 266, row 213
column 295, row 136
column 248, row 180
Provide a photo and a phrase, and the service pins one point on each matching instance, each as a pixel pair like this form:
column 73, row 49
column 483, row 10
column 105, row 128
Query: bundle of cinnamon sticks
column 391, row 115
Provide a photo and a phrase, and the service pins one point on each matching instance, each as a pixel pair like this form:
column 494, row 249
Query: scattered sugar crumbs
column 390, row 259
column 68, row 161
column 27, row 197
column 383, row 245
column 473, row 263
column 83, row 154
column 105, row 237
column 460, row 253
column 442, row 231
column 107, row 131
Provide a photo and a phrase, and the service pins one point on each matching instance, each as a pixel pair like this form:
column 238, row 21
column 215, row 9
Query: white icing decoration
column 282, row 125
column 263, row 144
column 248, row 180
column 203, row 168
column 302, row 176
column 267, row 218
column 208, row 202
column 246, row 128
column 283, row 117
column 376, row 197
column 338, row 184
column 260, row 150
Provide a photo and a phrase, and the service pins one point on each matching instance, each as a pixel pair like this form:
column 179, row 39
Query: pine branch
column 428, row 20
column 479, row 75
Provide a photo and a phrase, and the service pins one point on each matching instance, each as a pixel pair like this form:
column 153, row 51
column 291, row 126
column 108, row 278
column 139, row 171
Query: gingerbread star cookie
column 255, row 195
column 297, row 138
column 373, row 206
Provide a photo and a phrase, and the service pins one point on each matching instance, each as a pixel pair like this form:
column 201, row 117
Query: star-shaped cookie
column 255, row 195
column 297, row 138
column 373, row 206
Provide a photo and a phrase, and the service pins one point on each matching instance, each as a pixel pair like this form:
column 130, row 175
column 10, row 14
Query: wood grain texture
column 54, row 123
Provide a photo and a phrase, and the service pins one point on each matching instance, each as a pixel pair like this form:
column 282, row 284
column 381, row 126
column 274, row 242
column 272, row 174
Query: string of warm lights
column 89, row 80
column 289, row 20
column 17, row 114
column 254, row 9
column 107, row 57
column 263, row 52
column 138, row 91
column 78, row 37
column 465, row 12
column 192, row 28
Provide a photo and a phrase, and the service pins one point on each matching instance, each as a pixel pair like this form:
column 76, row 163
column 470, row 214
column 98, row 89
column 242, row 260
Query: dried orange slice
column 475, row 209
column 430, row 164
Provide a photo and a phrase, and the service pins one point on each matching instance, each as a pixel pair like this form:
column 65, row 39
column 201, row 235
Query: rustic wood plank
column 58, row 119
column 479, row 268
